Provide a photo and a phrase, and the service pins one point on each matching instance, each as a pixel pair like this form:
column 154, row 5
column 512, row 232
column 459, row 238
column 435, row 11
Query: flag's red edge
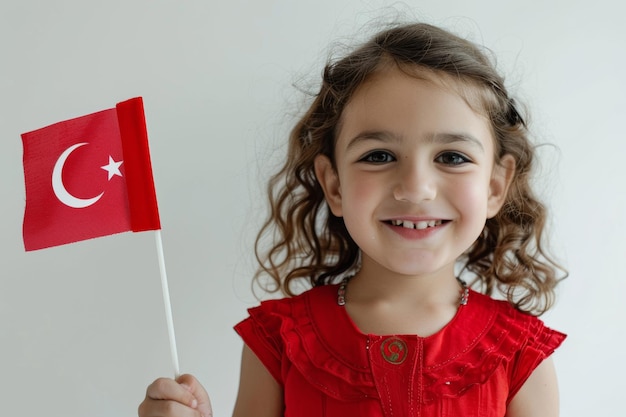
column 142, row 201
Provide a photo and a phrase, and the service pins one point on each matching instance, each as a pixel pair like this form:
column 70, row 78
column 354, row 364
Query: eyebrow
column 456, row 137
column 441, row 138
column 383, row 136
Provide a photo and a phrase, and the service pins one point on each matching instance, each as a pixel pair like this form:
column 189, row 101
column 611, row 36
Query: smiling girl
column 407, row 177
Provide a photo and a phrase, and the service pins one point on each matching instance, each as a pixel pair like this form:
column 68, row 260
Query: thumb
column 191, row 384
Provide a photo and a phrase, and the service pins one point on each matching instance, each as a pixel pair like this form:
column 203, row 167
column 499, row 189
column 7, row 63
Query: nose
column 415, row 183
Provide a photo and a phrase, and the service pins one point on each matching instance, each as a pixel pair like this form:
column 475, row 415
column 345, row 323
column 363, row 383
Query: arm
column 539, row 396
column 259, row 395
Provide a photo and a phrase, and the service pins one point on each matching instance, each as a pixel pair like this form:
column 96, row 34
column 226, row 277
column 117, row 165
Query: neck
column 373, row 285
column 383, row 303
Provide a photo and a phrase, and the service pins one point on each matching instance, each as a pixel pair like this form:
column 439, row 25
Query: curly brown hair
column 307, row 242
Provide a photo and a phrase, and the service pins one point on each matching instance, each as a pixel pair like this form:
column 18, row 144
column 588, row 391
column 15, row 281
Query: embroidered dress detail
column 394, row 350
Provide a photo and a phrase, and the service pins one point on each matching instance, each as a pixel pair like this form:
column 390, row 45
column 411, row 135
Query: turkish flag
column 89, row 177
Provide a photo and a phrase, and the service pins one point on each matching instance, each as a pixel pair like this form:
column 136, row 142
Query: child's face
column 415, row 175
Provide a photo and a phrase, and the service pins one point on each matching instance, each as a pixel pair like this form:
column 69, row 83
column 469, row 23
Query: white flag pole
column 168, row 305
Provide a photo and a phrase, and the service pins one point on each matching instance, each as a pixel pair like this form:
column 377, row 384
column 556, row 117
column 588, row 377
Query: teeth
column 418, row 225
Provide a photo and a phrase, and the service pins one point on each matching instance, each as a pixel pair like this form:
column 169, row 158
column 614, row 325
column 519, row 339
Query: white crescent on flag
column 61, row 192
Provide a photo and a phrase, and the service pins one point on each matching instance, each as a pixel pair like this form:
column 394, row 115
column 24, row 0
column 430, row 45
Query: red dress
column 327, row 367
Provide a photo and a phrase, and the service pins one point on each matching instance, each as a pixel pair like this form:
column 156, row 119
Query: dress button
column 394, row 350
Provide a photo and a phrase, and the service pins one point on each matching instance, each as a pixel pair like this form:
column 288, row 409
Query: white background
column 82, row 328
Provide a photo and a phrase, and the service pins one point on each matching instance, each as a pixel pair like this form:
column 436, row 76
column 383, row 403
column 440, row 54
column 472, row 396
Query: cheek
column 473, row 194
column 358, row 190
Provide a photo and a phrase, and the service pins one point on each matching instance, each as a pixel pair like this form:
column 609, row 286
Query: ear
column 501, row 178
column 329, row 180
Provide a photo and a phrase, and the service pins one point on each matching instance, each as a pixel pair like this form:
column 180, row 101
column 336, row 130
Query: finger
column 190, row 383
column 170, row 390
column 166, row 408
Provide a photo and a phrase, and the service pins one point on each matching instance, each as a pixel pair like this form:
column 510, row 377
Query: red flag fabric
column 89, row 177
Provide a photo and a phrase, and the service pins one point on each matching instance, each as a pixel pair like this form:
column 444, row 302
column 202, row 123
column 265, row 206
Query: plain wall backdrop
column 82, row 327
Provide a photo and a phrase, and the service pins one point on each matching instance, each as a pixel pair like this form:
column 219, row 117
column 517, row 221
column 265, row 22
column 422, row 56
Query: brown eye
column 378, row 157
column 452, row 158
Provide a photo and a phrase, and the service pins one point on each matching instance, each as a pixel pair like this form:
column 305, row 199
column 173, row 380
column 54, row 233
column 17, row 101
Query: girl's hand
column 183, row 397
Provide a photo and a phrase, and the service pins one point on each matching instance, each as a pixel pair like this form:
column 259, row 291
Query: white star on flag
column 113, row 168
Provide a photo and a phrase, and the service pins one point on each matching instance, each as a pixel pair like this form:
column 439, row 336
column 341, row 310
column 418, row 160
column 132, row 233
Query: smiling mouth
column 420, row 225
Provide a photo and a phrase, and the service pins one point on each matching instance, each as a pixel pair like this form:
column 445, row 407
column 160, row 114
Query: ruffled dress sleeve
column 539, row 343
column 261, row 333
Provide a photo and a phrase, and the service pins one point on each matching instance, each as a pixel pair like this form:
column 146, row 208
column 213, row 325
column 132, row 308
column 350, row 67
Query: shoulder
column 271, row 317
column 502, row 307
column 286, row 305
